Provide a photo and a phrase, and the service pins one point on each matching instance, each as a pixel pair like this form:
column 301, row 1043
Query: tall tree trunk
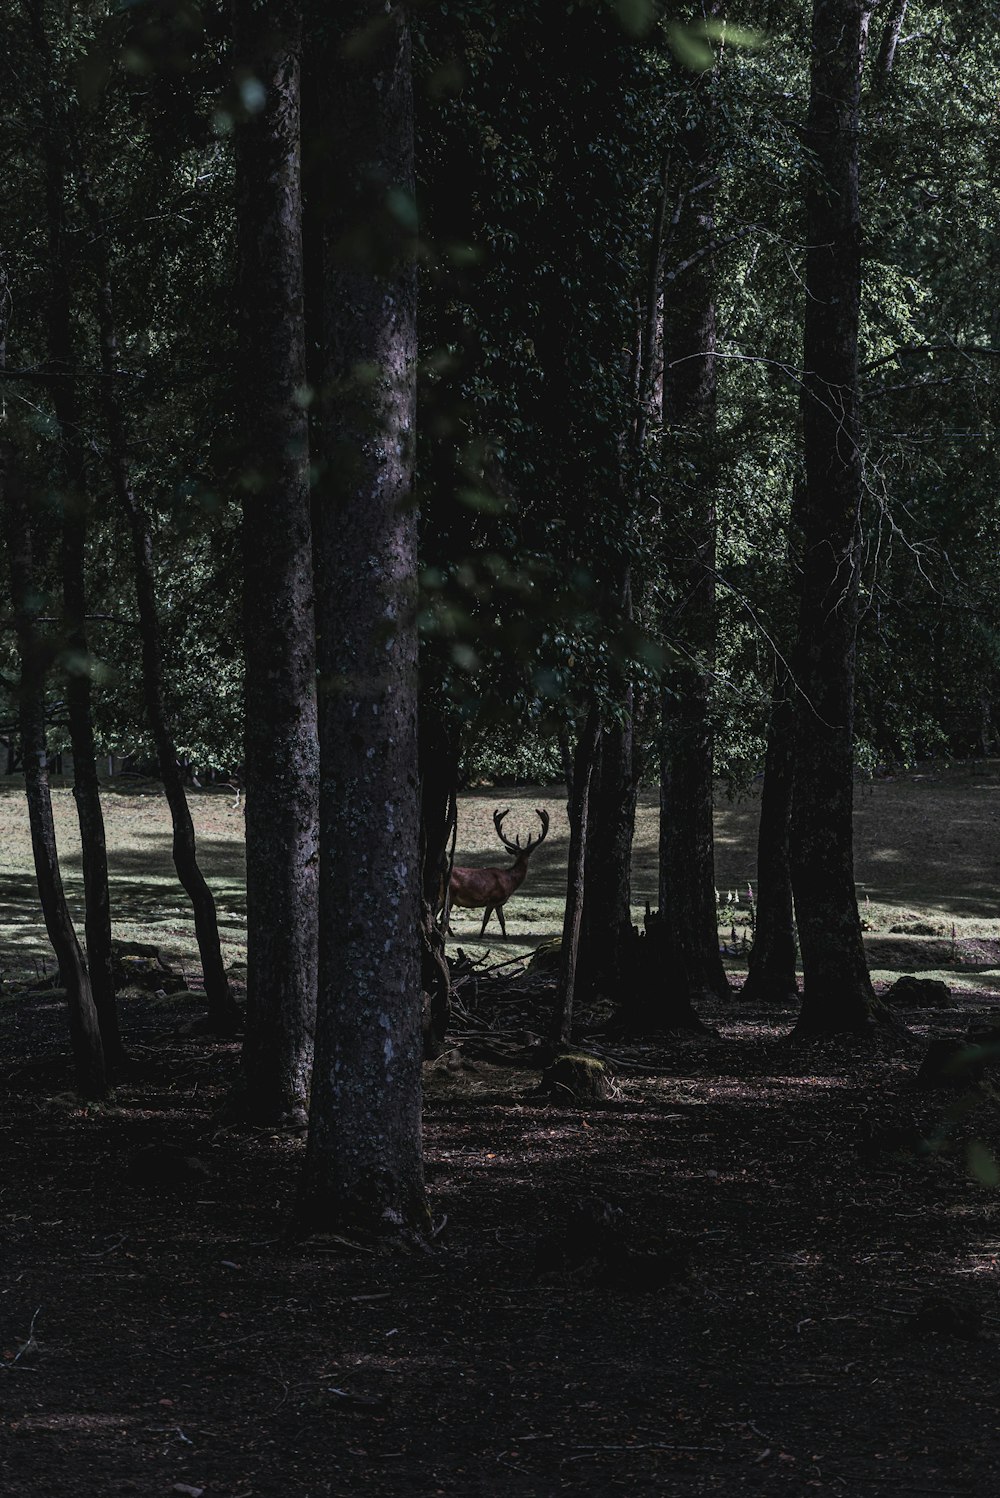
column 223, row 1016
column 886, row 56
column 85, row 1033
column 687, row 792
column 583, row 769
column 771, row 977
column 61, row 369
column 363, row 1168
column 607, row 910
column 838, row 994
column 606, row 929
column 438, row 782
column 282, row 815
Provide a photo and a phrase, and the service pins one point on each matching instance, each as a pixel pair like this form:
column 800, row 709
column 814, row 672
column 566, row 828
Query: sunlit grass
column 925, row 861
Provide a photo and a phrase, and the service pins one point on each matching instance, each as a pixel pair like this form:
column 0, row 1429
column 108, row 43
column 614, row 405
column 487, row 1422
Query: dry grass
column 926, row 862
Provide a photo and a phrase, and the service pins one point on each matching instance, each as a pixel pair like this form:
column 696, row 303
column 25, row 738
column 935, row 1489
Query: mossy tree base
column 576, row 1077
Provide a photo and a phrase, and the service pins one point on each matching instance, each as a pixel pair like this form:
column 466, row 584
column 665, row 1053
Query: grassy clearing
column 147, row 902
column 926, row 864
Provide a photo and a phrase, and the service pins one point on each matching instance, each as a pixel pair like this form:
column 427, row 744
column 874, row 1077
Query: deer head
column 531, row 843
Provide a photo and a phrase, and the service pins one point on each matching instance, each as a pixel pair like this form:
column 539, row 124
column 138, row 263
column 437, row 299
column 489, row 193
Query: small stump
column 546, row 957
column 920, row 993
column 576, row 1078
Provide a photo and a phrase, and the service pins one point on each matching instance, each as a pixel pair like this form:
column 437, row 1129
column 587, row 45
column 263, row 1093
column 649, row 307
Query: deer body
column 474, row 889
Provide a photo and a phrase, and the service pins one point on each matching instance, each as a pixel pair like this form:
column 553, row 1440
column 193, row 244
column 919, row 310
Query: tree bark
column 687, row 789
column 606, row 930
column 607, row 908
column 363, row 1168
column 438, row 782
column 838, row 994
column 583, row 769
column 61, row 367
column 223, row 1016
column 886, row 57
column 282, row 815
column 84, row 1028
column 771, row 978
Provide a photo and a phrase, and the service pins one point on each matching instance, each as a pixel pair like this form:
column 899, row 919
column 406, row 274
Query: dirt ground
column 837, row 1329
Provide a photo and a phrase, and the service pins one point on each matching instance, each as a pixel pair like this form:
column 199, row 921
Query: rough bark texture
column 606, row 934
column 655, row 996
column 85, row 1033
column 687, row 850
column 838, row 994
column 583, row 769
column 282, row 815
column 607, row 908
column 438, row 780
column 363, row 1169
column 771, row 976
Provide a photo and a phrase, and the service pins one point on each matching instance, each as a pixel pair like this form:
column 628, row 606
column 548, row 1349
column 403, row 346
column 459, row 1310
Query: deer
column 471, row 889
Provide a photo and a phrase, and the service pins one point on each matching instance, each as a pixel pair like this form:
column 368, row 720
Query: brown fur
column 473, row 889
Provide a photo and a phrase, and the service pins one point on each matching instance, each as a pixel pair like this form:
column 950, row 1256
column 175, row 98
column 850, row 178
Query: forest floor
column 836, row 1329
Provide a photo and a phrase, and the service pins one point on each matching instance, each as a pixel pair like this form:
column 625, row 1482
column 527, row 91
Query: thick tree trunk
column 282, row 817
column 606, row 931
column 771, row 978
column 687, row 839
column 438, row 780
column 655, row 995
column 85, row 1033
column 687, row 792
column 607, row 907
column 838, row 994
column 583, row 769
column 363, row 1168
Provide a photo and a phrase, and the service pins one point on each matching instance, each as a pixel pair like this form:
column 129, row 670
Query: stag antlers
column 474, row 889
column 532, row 842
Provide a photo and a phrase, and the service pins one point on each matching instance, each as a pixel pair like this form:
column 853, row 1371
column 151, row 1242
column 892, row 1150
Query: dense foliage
column 542, row 137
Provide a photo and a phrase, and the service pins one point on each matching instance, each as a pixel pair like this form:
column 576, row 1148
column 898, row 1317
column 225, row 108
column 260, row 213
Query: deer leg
column 503, row 928
column 489, row 911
